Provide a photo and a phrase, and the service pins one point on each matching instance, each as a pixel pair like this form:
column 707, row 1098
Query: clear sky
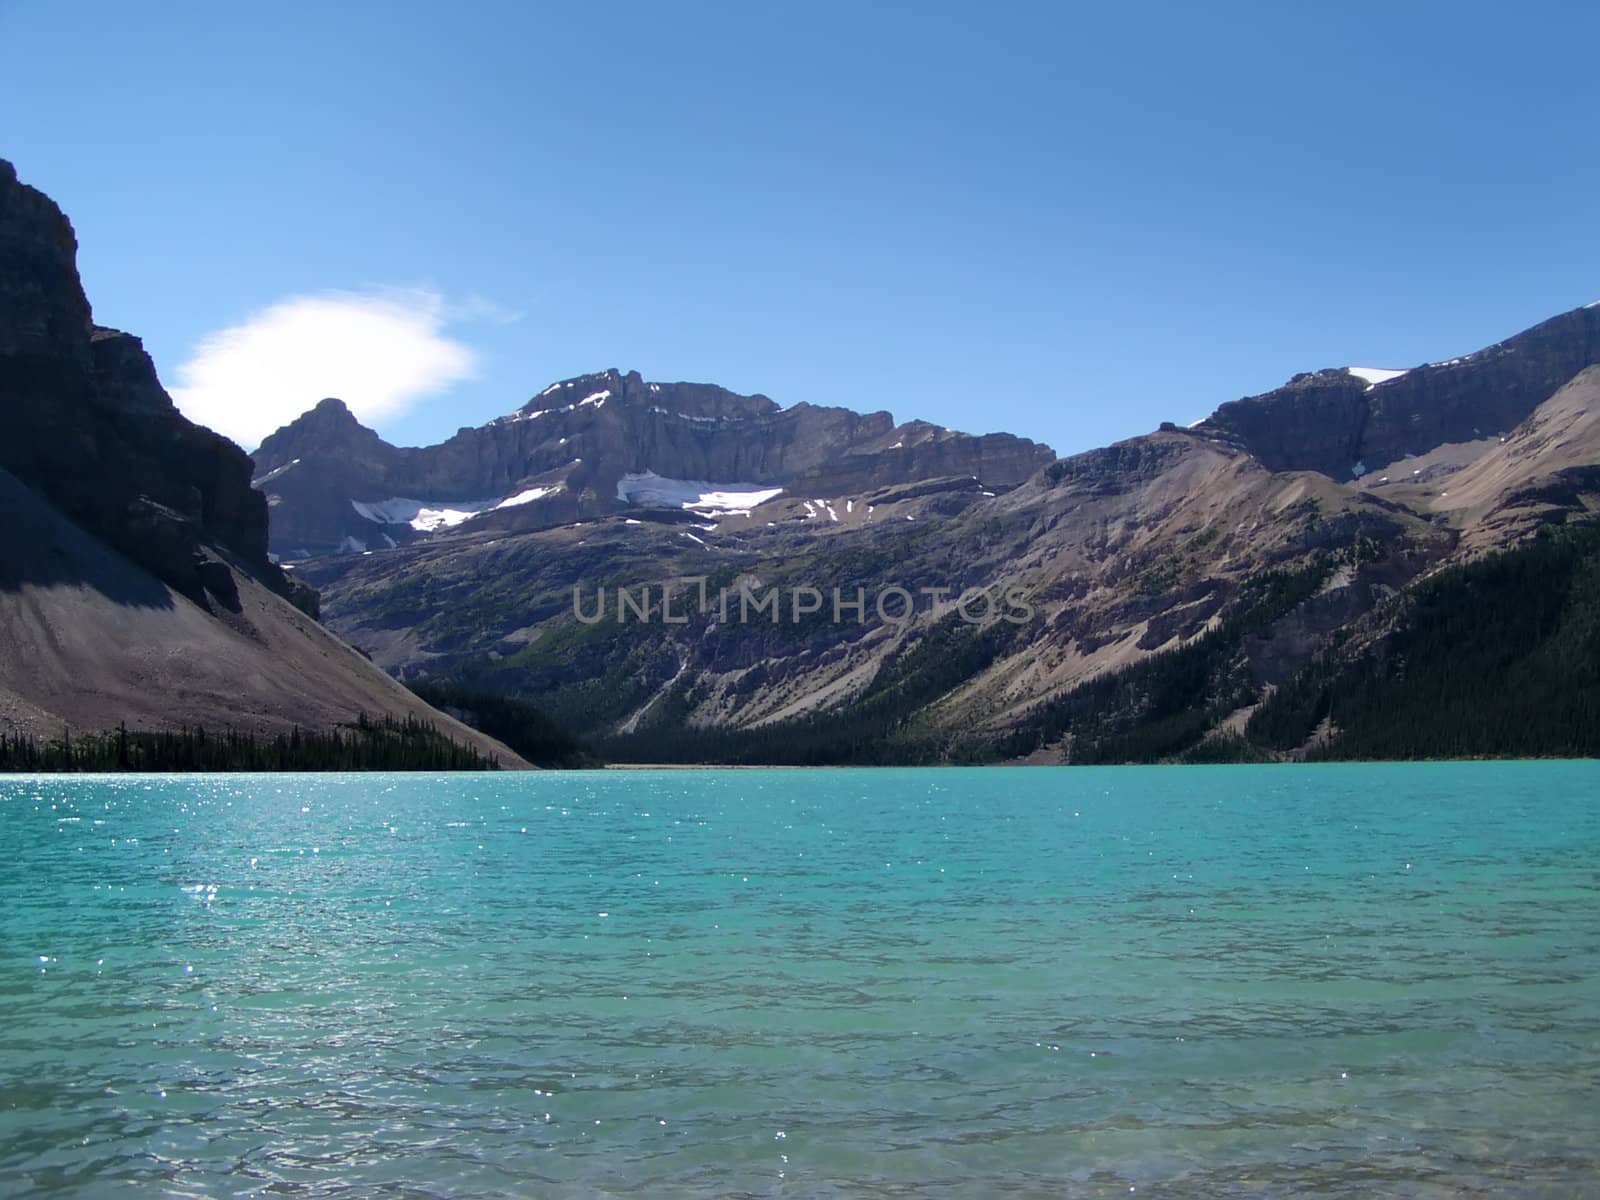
column 1068, row 221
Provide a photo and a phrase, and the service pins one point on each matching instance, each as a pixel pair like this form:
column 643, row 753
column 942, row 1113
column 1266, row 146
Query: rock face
column 563, row 455
column 1249, row 545
column 135, row 578
column 320, row 462
column 135, row 582
column 85, row 422
column 1332, row 420
column 336, row 486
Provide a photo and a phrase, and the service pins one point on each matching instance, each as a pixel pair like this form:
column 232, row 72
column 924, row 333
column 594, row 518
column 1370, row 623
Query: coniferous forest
column 517, row 723
column 1495, row 658
column 1154, row 709
column 386, row 744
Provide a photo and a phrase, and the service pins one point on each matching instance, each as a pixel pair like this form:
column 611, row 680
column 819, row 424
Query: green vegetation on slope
column 382, row 745
column 1160, row 707
column 520, row 725
column 1164, row 705
column 1496, row 658
column 883, row 726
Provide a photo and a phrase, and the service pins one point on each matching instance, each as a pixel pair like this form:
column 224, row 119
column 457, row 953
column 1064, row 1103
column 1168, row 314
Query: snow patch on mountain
column 425, row 516
column 274, row 474
column 593, row 400
column 1374, row 375
column 682, row 416
column 528, row 496
column 697, row 495
column 428, row 516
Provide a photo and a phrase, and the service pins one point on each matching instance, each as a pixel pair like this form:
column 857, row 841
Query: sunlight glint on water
column 1186, row 981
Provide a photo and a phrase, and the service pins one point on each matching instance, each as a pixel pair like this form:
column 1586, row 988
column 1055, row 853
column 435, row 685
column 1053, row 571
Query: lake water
column 1197, row 982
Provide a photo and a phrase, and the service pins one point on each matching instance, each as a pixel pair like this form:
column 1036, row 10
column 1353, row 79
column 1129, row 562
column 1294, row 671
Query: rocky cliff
column 1343, row 423
column 572, row 451
column 579, row 448
column 84, row 420
column 135, row 581
column 1163, row 587
column 1170, row 581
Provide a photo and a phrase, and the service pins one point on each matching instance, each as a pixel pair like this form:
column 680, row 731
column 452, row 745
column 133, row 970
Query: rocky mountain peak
column 44, row 314
column 567, row 392
column 631, row 391
column 580, row 449
column 330, row 416
column 329, row 429
column 1343, row 421
column 86, row 424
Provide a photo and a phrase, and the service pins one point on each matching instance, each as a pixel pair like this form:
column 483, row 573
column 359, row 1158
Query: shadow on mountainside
column 40, row 548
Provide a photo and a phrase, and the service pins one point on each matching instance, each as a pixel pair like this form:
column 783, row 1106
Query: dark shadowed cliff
column 135, row 583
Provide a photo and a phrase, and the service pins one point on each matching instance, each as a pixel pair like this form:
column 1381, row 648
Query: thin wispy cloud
column 378, row 351
column 481, row 309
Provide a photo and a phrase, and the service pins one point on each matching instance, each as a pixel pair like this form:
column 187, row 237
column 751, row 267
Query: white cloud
column 378, row 351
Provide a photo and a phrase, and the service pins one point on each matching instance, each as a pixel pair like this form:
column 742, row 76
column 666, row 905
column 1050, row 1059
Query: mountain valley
column 1283, row 521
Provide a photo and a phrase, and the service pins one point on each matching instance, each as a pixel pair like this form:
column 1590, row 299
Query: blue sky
column 1067, row 221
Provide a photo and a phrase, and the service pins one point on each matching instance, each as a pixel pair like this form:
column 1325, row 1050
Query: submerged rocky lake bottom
column 1342, row 980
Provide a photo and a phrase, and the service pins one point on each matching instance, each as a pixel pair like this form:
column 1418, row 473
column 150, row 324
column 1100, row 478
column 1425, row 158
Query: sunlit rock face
column 1273, row 531
column 335, row 486
column 1332, row 420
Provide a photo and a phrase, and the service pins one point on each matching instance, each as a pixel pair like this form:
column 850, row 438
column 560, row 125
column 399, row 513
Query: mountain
column 1348, row 422
column 681, row 572
column 135, row 580
column 1497, row 656
column 590, row 447
column 1165, row 586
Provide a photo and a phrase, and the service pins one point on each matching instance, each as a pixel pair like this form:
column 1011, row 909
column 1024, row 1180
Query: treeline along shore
column 383, row 744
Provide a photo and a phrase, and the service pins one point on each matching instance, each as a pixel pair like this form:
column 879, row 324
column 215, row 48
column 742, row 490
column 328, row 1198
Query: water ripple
column 1210, row 982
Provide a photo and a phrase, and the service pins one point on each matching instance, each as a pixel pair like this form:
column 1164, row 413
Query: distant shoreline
column 1013, row 764
column 635, row 767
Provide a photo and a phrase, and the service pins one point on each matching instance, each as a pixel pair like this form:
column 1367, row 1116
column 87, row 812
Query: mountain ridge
column 1168, row 585
column 1358, row 422
column 1343, row 422
column 563, row 455
column 1126, row 552
column 136, row 584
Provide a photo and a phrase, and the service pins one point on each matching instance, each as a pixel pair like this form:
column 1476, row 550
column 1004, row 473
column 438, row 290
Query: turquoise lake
column 1169, row 982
